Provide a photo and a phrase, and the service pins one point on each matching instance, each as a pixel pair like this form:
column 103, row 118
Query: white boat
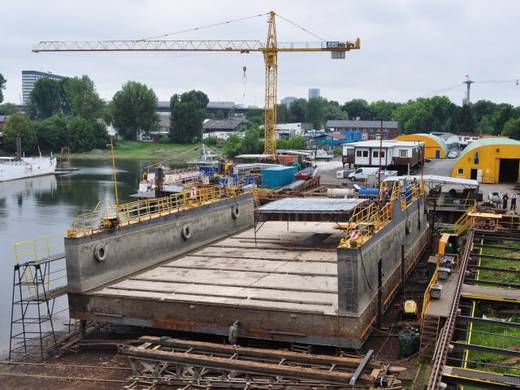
column 14, row 169
column 206, row 159
column 175, row 179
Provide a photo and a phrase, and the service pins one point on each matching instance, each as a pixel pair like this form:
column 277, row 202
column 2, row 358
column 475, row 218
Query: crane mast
column 270, row 50
column 271, row 75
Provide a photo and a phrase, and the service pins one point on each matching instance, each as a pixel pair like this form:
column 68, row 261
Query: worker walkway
column 479, row 378
column 441, row 307
column 494, row 294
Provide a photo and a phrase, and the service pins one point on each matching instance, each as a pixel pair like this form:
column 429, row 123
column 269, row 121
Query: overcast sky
column 409, row 48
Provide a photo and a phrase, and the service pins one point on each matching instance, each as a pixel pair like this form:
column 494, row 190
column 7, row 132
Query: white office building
column 29, row 78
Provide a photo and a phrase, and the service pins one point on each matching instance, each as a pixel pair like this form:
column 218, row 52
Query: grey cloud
column 409, row 47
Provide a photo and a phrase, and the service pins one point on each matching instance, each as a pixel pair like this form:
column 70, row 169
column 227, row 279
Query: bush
column 232, row 146
column 249, row 144
column 295, row 142
column 210, row 141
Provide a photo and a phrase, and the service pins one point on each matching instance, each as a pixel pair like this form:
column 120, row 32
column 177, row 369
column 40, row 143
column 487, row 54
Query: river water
column 47, row 205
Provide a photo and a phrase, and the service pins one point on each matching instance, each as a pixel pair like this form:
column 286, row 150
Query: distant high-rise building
column 29, row 78
column 288, row 100
column 314, row 93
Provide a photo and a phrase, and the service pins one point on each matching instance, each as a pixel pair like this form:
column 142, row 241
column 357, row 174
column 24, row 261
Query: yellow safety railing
column 426, row 298
column 42, row 250
column 141, row 210
column 365, row 222
column 464, row 222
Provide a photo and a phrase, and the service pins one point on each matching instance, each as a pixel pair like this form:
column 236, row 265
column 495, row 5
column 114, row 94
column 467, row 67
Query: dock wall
column 136, row 247
column 358, row 267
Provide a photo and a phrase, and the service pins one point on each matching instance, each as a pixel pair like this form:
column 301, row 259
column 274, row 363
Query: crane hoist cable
column 204, row 27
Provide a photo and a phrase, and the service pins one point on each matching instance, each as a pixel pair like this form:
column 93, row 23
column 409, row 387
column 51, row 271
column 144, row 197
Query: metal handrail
column 146, row 209
column 376, row 218
column 441, row 351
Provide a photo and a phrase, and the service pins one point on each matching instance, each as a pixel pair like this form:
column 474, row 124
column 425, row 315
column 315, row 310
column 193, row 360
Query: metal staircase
column 430, row 327
column 37, row 283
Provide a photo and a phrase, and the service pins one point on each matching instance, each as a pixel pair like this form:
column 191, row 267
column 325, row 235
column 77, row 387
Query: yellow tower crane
column 269, row 49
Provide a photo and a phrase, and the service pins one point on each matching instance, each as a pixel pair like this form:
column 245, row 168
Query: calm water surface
column 42, row 206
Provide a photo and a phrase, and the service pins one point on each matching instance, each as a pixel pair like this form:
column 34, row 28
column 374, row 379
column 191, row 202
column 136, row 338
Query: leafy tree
column 463, row 120
column 512, row 129
column 82, row 98
column 75, row 132
column 47, row 98
column 382, row 110
column 298, row 110
column 8, row 109
column 134, row 110
column 315, row 112
column 19, row 124
column 424, row 115
column 232, row 146
column 187, row 115
column 332, row 110
column 504, row 115
column 53, row 133
column 484, row 109
column 358, row 108
column 256, row 116
column 251, row 142
column 2, row 86
column 282, row 113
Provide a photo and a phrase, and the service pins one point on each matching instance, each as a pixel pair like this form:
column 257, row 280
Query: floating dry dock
column 293, row 277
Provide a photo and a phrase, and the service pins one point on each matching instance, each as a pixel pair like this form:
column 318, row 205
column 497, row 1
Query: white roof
column 387, row 143
column 437, row 180
column 295, row 152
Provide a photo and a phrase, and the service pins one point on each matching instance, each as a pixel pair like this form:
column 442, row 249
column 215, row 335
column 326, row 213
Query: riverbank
column 141, row 150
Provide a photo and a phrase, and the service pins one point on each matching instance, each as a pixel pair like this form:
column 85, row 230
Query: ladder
column 429, row 333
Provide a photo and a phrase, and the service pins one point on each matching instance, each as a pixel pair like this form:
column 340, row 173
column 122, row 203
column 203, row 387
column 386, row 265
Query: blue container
column 368, row 192
column 277, row 177
column 249, row 180
column 208, row 171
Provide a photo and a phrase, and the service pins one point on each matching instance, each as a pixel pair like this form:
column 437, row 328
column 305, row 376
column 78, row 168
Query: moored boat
column 12, row 168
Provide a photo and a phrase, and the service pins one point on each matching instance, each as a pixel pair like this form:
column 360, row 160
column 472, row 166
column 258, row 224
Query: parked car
column 453, row 154
column 495, row 197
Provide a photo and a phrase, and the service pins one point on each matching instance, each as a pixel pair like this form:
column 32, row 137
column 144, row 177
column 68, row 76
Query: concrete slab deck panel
column 277, row 273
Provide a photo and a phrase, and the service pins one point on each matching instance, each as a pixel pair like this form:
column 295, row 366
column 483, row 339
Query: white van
column 362, row 173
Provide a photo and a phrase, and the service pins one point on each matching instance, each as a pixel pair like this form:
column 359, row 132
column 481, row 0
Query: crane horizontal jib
column 189, row 45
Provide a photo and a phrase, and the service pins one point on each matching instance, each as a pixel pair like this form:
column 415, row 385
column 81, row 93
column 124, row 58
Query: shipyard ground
column 99, row 366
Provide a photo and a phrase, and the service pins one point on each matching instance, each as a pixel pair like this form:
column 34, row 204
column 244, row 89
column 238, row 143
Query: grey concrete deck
column 285, row 270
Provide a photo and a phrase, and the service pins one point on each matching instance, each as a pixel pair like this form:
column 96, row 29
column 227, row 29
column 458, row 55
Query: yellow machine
column 410, row 310
column 269, row 49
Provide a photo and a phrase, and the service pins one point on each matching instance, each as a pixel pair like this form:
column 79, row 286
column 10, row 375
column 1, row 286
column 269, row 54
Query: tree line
column 60, row 113
column 69, row 112
column 436, row 114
